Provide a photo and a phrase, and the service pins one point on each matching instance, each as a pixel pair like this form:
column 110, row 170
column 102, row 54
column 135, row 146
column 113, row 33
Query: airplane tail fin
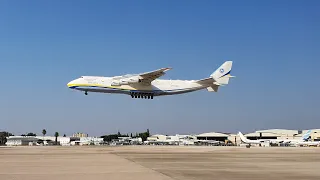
column 306, row 135
column 222, row 74
column 243, row 139
column 218, row 78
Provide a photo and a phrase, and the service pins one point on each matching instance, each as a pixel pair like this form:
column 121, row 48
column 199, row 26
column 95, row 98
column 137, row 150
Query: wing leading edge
column 148, row 77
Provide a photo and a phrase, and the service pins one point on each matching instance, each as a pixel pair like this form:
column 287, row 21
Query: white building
column 234, row 138
column 64, row 141
column 80, row 135
column 157, row 137
column 21, row 141
column 90, row 141
column 171, row 140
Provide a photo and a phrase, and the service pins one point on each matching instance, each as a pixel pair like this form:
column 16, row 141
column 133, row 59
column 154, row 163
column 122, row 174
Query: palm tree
column 44, row 132
column 148, row 133
column 56, row 134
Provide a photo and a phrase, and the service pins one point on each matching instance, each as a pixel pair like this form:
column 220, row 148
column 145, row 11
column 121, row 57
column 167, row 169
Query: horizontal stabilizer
column 213, row 88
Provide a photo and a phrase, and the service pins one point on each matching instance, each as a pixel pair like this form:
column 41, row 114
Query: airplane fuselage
column 158, row 87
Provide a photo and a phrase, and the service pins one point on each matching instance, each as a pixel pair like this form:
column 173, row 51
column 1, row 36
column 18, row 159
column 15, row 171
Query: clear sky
column 275, row 47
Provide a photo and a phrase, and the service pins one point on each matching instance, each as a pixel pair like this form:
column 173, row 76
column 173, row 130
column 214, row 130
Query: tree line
column 3, row 137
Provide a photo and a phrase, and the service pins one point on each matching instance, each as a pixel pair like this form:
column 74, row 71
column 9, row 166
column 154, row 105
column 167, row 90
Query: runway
column 158, row 163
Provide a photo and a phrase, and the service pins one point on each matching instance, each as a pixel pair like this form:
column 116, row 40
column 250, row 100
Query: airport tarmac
column 158, row 163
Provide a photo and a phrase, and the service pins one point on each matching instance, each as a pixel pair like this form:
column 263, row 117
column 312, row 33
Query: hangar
column 213, row 136
column 21, row 141
column 282, row 133
column 261, row 135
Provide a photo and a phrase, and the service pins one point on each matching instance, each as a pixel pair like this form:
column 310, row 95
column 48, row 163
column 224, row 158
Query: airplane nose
column 70, row 84
column 74, row 83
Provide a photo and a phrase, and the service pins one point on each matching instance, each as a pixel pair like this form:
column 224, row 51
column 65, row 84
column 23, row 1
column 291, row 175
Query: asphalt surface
column 158, row 163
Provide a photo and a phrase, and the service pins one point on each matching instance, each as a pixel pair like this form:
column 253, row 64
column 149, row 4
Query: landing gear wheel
column 86, row 93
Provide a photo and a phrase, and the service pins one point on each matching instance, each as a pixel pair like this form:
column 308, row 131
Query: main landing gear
column 86, row 93
column 141, row 95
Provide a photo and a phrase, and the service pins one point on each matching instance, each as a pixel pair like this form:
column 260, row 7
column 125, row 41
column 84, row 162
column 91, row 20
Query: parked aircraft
column 147, row 85
column 302, row 140
column 212, row 142
column 248, row 141
column 307, row 143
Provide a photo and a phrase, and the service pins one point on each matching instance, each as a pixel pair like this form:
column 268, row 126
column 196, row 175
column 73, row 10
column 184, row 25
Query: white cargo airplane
column 147, row 85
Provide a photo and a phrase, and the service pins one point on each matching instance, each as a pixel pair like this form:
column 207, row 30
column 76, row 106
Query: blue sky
column 45, row 44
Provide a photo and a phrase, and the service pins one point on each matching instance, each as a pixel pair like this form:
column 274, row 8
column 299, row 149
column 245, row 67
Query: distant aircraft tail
column 243, row 139
column 306, row 135
column 218, row 78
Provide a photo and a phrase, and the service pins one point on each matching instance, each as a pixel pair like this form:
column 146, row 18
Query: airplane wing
column 143, row 78
column 148, row 77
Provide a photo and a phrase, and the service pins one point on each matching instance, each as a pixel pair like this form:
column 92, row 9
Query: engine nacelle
column 130, row 80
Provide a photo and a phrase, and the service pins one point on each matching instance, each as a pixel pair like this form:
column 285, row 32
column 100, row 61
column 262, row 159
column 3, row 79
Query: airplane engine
column 130, row 80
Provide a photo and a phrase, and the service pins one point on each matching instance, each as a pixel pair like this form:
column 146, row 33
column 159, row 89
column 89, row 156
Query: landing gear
column 141, row 95
column 86, row 93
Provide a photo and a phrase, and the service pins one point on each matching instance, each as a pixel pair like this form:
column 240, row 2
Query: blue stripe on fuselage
column 119, row 89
